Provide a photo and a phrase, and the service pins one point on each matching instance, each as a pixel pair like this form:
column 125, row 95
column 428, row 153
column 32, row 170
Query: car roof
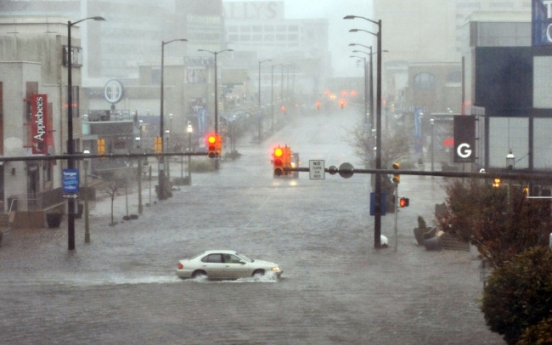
column 221, row 251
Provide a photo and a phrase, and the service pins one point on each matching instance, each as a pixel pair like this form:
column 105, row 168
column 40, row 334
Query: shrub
column 421, row 222
column 539, row 334
column 519, row 294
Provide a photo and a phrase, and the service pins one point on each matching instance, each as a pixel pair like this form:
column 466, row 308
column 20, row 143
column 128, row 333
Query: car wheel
column 258, row 273
column 199, row 274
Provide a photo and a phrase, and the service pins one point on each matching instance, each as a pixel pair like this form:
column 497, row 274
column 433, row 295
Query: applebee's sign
column 542, row 22
column 39, row 111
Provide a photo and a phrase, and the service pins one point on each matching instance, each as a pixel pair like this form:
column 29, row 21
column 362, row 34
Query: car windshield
column 244, row 257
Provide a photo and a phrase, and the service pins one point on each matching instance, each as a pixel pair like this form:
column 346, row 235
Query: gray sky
column 334, row 11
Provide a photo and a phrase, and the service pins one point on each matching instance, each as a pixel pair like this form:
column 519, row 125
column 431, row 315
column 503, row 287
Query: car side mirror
column 242, row 262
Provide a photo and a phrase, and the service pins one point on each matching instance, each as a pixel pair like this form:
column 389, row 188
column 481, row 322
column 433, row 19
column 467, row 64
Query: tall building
column 132, row 32
column 422, row 31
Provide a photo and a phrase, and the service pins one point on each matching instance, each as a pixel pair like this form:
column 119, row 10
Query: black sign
column 464, row 139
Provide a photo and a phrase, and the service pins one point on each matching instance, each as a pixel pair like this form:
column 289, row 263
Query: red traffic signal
column 318, row 105
column 342, row 104
column 214, row 145
column 404, row 202
column 281, row 158
column 278, row 161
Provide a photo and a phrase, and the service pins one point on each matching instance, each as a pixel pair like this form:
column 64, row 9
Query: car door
column 234, row 267
column 213, row 265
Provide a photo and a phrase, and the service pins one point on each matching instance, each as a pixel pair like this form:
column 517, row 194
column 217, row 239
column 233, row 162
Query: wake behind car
column 225, row 264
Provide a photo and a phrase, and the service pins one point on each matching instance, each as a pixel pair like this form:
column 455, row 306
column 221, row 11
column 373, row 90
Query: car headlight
column 276, row 269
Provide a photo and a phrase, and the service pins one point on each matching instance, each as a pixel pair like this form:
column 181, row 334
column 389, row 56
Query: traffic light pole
column 377, row 220
column 397, row 208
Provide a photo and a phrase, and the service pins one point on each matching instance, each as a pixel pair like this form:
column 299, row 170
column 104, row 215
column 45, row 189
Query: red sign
column 41, row 128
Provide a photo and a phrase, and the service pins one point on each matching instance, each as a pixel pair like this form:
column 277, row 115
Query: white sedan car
column 225, row 264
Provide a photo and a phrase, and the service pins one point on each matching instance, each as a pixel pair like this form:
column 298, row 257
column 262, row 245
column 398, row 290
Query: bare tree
column 112, row 186
column 394, row 146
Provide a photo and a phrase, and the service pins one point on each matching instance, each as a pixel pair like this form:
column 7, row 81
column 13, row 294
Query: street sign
column 71, row 196
column 70, row 180
column 317, row 170
column 383, row 205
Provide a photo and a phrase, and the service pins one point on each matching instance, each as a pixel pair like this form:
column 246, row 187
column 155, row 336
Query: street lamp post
column 432, row 121
column 190, row 129
column 259, row 111
column 138, row 146
column 510, row 164
column 86, row 220
column 371, row 82
column 377, row 216
column 367, row 131
column 161, row 172
column 168, row 149
column 70, row 143
column 215, row 53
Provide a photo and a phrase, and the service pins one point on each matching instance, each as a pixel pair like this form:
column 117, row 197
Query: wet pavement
column 336, row 288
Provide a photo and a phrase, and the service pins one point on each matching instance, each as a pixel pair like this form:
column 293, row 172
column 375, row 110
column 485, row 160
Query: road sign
column 383, row 205
column 71, row 196
column 317, row 170
column 70, row 180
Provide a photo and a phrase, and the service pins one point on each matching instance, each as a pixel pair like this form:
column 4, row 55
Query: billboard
column 541, row 22
column 42, row 141
column 464, row 139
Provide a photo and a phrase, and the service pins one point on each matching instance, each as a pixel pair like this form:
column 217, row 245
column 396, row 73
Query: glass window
column 424, row 82
column 269, row 28
column 212, row 258
column 454, row 77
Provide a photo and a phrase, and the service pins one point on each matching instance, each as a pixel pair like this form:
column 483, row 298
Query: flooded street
column 336, row 288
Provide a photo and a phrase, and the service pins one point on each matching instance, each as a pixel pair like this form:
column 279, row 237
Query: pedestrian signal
column 396, row 176
column 214, row 145
column 158, row 144
column 404, row 202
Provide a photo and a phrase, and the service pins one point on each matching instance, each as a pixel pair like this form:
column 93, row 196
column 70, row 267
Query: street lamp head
column 98, row 18
column 353, row 30
column 510, row 160
column 189, row 128
column 349, row 17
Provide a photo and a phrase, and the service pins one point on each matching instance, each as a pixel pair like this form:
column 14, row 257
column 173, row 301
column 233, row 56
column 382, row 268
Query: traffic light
column 281, row 158
column 158, row 144
column 283, row 109
column 396, row 176
column 404, row 202
column 496, row 182
column 342, row 104
column 278, row 161
column 214, row 145
column 317, row 105
column 101, row 146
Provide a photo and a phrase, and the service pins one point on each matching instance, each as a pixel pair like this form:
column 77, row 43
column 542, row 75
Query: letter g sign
column 464, row 150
